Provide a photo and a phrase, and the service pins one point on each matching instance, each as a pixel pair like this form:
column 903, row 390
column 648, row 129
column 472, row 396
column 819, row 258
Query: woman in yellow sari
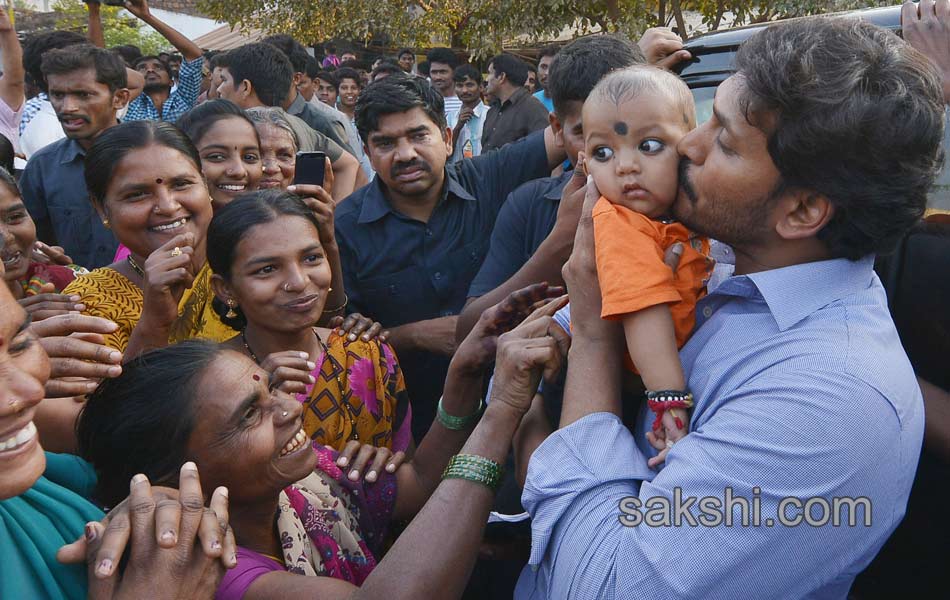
column 145, row 181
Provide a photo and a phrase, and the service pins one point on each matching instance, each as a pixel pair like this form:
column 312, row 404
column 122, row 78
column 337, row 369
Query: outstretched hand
column 926, row 27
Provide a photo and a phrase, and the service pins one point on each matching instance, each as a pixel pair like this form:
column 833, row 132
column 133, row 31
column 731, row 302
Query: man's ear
column 447, row 136
column 802, row 214
column 557, row 129
column 297, row 78
column 120, row 99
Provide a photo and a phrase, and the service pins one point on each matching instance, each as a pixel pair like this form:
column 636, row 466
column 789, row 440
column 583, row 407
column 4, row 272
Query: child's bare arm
column 651, row 342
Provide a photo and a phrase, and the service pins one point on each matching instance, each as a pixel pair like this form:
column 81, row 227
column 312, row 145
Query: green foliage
column 485, row 26
column 117, row 29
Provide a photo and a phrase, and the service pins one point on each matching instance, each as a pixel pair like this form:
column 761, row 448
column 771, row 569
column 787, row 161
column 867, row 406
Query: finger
column 659, row 459
column 942, row 9
column 328, row 176
column 349, row 451
column 167, row 520
column 673, row 255
column 668, row 62
column 927, row 13
column 64, row 388
column 114, row 539
column 292, row 387
column 73, row 323
column 192, row 504
column 379, row 462
column 335, row 322
column 363, row 457
column 62, row 368
column 141, row 513
column 75, row 347
column 288, row 374
column 909, row 15
column 219, row 504
column 99, row 586
column 213, row 526
column 395, row 462
column 75, row 552
column 655, row 441
column 373, row 332
column 383, row 336
column 57, row 301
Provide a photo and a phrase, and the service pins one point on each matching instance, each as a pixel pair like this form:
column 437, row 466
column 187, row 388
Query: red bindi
column 256, row 377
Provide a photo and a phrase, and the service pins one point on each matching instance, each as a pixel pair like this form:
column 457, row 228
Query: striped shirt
column 179, row 101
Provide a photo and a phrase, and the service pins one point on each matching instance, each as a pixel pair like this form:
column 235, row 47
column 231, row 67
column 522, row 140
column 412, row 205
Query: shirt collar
column 71, row 150
column 376, row 206
column 517, row 97
column 296, row 107
column 558, row 188
column 793, row 293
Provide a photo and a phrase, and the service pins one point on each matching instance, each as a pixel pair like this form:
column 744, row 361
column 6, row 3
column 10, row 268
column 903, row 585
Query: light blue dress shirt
column 802, row 390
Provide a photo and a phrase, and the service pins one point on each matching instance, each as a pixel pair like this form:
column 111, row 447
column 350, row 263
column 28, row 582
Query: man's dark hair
column 354, row 64
column 423, row 68
column 397, row 94
column 142, row 59
column 347, row 73
column 129, row 53
column 330, row 77
column 442, row 55
column 387, row 68
column 549, row 50
column 853, row 113
column 267, row 68
column 515, row 69
column 218, row 60
column 37, row 45
column 578, row 67
column 466, row 70
column 292, row 49
column 406, row 51
column 312, row 67
column 330, row 48
column 109, row 67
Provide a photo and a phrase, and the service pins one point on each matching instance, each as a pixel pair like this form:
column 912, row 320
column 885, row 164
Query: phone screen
column 310, row 168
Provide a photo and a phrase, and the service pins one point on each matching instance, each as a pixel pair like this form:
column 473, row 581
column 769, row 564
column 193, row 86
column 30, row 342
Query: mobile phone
column 310, row 168
column 115, row 2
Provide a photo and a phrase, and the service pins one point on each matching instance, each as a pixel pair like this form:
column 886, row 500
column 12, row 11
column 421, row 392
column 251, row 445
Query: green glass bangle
column 458, row 423
column 472, row 467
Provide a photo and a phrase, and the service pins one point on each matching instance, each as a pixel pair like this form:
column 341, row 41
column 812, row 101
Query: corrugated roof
column 226, row 38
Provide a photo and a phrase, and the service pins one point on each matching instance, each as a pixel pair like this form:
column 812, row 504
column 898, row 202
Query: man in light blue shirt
column 808, row 419
column 545, row 59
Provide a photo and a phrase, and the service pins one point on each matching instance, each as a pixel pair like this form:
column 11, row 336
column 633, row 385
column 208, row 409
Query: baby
column 633, row 121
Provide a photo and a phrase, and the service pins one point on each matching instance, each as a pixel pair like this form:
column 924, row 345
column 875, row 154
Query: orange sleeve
column 630, row 265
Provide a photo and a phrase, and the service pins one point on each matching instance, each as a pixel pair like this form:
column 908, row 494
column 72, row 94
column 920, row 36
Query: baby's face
column 630, row 150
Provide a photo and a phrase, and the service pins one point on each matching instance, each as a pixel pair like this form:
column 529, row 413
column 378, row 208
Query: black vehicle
column 917, row 279
column 714, row 61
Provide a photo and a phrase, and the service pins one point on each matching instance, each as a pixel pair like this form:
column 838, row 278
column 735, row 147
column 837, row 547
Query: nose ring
column 284, row 414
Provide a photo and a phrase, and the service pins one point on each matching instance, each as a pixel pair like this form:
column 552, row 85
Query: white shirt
column 42, row 130
column 469, row 143
column 353, row 136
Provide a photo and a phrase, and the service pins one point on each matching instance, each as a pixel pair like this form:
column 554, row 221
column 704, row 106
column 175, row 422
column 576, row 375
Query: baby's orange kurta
column 629, row 250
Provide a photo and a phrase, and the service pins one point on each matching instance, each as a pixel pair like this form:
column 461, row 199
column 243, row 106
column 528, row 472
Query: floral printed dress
column 359, row 394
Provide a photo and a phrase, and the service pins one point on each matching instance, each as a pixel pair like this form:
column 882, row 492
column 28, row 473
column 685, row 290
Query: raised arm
column 189, row 50
column 95, row 34
column 12, row 84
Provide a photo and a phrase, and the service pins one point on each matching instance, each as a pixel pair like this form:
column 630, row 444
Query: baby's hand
column 675, row 427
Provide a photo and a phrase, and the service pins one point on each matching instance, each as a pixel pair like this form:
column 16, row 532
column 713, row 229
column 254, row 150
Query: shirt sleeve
column 505, row 254
column 327, row 146
column 189, row 82
column 629, row 261
column 503, row 170
column 773, row 440
column 250, row 567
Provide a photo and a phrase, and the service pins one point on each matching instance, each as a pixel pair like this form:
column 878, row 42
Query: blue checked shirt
column 30, row 108
column 803, row 390
column 180, row 101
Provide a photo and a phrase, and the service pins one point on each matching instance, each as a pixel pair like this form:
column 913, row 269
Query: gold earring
column 230, row 314
column 329, row 290
column 105, row 223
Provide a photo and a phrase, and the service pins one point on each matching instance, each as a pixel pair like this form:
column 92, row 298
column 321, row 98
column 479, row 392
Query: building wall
column 188, row 7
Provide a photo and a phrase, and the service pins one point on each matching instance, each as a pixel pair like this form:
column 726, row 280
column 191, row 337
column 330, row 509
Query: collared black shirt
column 525, row 220
column 398, row 270
column 54, row 192
column 513, row 119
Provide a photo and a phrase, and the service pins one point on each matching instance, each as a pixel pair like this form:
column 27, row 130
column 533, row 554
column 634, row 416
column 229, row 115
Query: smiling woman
column 145, row 183
column 228, row 146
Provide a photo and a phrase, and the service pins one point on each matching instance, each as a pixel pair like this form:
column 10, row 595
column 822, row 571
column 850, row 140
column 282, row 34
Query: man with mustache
column 87, row 86
column 412, row 240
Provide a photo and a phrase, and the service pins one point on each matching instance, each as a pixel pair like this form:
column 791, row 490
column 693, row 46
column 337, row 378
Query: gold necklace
column 135, row 266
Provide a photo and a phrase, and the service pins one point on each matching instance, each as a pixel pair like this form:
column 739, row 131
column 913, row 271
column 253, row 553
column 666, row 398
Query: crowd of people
column 533, row 324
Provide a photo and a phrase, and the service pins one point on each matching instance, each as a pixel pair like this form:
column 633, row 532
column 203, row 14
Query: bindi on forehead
column 621, row 128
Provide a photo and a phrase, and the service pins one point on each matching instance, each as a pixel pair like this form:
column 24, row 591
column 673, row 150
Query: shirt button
column 428, row 232
column 437, row 275
column 707, row 311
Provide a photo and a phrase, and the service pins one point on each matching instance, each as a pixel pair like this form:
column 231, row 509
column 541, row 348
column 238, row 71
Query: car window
column 704, row 103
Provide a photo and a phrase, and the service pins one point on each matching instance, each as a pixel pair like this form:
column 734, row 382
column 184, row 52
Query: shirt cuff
column 595, row 451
